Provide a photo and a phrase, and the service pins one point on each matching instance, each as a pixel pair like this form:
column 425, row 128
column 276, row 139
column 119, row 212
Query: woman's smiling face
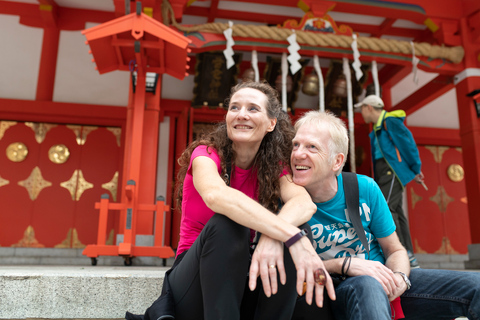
column 247, row 119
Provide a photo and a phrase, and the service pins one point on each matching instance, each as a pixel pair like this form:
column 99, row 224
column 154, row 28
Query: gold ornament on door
column 58, row 153
column 455, row 172
column 17, row 152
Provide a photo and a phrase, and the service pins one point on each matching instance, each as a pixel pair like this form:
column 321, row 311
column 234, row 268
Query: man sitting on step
column 376, row 272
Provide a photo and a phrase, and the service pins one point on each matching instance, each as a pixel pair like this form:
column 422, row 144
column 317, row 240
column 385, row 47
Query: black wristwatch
column 405, row 278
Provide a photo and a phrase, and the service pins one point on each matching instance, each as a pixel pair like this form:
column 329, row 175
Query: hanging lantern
column 248, row 75
column 310, row 84
column 278, row 83
column 340, row 86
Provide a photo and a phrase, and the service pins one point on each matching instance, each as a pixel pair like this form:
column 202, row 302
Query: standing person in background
column 396, row 161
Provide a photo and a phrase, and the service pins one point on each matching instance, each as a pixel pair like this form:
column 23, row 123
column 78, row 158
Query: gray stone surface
column 74, row 292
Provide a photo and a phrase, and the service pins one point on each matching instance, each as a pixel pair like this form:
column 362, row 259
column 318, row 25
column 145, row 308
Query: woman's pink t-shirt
column 195, row 214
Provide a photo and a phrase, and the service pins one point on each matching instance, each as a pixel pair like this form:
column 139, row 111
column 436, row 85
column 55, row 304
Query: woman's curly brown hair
column 272, row 156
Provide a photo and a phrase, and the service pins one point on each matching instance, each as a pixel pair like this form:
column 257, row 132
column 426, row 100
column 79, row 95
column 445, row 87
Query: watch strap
column 405, row 278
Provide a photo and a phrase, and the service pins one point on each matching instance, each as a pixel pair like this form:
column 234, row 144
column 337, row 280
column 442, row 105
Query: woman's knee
column 227, row 234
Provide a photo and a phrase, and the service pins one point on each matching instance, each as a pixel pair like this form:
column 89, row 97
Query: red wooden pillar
column 181, row 144
column 48, row 64
column 148, row 167
column 466, row 82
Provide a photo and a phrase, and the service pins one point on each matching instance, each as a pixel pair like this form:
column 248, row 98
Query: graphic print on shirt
column 339, row 239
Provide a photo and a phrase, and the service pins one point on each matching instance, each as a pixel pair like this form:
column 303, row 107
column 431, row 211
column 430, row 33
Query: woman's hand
column 266, row 261
column 307, row 261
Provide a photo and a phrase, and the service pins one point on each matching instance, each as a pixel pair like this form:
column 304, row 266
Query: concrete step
column 71, row 257
column 442, row 261
column 77, row 292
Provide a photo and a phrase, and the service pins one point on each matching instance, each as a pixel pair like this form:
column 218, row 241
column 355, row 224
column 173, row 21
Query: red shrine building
column 99, row 98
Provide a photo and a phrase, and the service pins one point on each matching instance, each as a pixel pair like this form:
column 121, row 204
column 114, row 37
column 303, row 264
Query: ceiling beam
column 384, row 27
column 271, row 19
column 391, row 74
column 213, row 12
column 426, row 94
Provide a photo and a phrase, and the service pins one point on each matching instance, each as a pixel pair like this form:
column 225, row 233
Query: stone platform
column 77, row 292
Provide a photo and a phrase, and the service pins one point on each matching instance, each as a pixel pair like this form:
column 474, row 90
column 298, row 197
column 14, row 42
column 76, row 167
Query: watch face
column 405, row 278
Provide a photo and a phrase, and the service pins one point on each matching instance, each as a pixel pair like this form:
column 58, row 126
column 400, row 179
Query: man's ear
column 338, row 162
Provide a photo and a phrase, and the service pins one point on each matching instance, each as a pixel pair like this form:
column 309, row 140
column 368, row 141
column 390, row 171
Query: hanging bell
column 248, row 75
column 340, row 86
column 310, row 84
column 278, row 83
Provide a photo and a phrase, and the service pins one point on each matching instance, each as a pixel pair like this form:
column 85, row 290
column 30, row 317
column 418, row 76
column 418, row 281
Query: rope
column 454, row 54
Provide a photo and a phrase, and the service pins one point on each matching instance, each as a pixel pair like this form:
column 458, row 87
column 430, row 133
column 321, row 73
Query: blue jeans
column 435, row 294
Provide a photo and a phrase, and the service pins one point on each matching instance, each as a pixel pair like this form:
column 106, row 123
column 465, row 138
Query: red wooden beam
column 429, row 92
column 213, row 11
column 60, row 112
column 49, row 13
column 384, row 27
column 391, row 74
column 436, row 136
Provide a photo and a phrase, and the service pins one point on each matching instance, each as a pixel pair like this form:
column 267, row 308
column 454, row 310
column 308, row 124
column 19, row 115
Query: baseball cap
column 371, row 100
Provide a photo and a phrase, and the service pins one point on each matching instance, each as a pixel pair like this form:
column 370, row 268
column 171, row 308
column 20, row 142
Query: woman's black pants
column 211, row 282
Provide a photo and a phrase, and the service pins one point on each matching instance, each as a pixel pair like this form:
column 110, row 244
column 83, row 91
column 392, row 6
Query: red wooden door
column 48, row 197
column 438, row 216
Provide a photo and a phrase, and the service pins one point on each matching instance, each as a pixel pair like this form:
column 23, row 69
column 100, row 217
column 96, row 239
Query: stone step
column 70, row 257
column 77, row 292
column 442, row 261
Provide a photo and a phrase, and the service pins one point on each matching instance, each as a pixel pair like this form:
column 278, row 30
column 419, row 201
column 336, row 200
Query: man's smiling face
column 311, row 162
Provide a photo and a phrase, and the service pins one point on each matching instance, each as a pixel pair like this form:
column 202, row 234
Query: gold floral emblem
column 455, row 172
column 17, row 152
column 58, row 153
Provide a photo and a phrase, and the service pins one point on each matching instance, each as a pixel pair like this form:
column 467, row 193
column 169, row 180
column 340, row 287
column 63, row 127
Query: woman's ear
column 273, row 123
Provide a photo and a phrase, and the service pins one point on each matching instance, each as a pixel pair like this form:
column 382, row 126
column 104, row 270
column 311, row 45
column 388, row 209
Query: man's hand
column 393, row 284
column 419, row 177
column 267, row 259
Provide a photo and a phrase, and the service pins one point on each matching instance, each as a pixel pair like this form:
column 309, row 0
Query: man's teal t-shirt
column 334, row 235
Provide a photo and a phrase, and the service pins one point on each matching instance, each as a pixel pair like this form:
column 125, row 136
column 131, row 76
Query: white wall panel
column 77, row 81
column 20, row 51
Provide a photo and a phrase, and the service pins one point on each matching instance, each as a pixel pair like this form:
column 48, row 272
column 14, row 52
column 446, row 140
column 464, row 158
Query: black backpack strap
column 350, row 187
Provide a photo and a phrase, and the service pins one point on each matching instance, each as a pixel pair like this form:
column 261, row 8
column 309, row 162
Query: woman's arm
column 234, row 204
column 298, row 206
column 240, row 208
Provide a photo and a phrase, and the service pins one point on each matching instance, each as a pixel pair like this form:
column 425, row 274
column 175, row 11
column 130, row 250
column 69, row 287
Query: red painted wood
column 48, row 64
column 60, row 112
column 429, row 92
column 439, row 221
column 427, row 223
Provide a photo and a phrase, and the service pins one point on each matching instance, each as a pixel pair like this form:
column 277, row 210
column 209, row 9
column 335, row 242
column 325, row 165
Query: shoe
column 413, row 261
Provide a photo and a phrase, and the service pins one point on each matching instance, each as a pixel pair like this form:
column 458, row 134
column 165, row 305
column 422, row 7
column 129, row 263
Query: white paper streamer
column 255, row 65
column 293, row 56
column 375, row 78
column 415, row 61
column 356, row 59
column 321, row 94
column 228, row 52
column 351, row 125
column 284, row 81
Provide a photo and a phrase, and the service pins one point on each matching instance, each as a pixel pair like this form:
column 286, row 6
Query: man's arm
column 405, row 143
column 397, row 261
